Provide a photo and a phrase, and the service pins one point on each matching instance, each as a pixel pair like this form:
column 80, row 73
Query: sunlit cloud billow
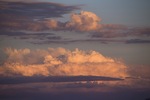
column 60, row 62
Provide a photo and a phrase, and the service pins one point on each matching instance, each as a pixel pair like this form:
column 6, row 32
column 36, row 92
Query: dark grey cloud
column 43, row 38
column 110, row 31
column 6, row 33
column 67, row 41
column 107, row 34
column 25, row 15
column 124, row 94
column 18, row 80
column 135, row 41
column 29, row 35
column 19, row 33
column 34, row 10
column 73, row 91
column 37, row 16
column 54, row 38
column 139, row 31
column 115, row 31
column 60, row 40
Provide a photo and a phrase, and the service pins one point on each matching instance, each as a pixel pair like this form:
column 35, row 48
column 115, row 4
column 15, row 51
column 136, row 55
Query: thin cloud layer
column 60, row 62
column 115, row 31
column 137, row 41
column 41, row 79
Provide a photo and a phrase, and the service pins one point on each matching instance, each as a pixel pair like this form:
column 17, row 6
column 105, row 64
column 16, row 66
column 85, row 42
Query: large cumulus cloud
column 60, row 61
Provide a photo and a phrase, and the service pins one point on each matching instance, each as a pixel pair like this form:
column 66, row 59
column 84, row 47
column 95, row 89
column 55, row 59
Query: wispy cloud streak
column 40, row 79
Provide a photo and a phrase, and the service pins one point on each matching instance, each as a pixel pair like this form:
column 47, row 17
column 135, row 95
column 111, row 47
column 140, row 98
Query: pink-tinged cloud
column 84, row 21
column 60, row 62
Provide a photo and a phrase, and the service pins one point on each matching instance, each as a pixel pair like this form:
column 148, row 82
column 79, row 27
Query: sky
column 59, row 49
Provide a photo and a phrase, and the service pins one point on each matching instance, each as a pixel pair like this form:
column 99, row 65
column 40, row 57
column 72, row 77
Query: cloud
column 110, row 31
column 81, row 22
column 85, row 92
column 84, row 21
column 68, row 41
column 40, row 79
column 23, row 15
column 30, row 35
column 140, row 71
column 139, row 31
column 38, row 16
column 115, row 31
column 60, row 62
column 35, row 10
column 137, row 41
